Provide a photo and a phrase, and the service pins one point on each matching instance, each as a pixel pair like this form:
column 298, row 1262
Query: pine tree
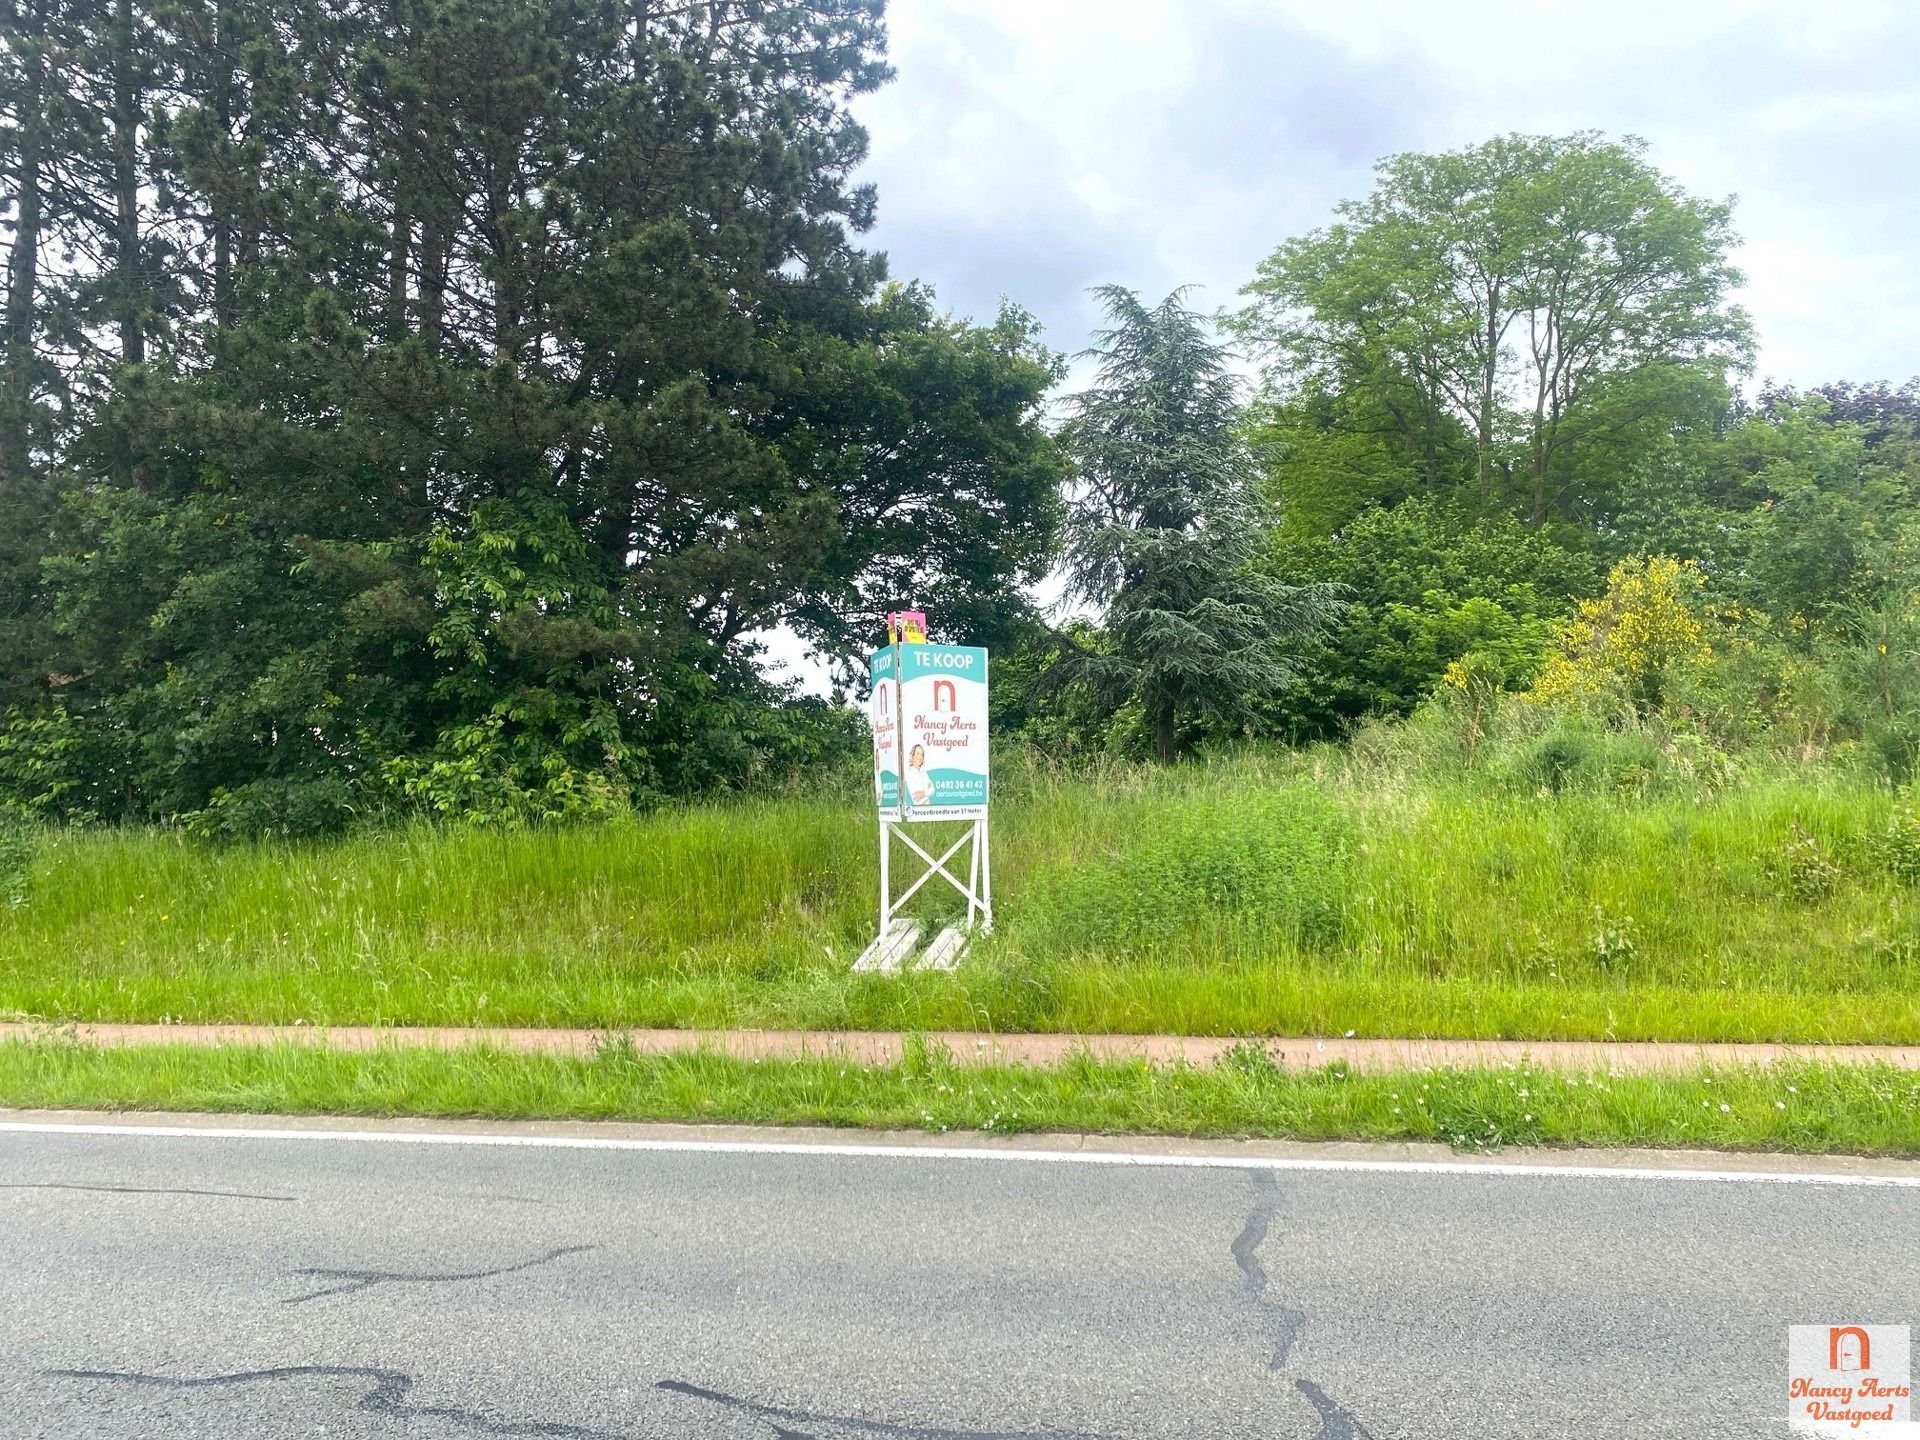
column 1166, row 525
column 451, row 390
column 28, row 143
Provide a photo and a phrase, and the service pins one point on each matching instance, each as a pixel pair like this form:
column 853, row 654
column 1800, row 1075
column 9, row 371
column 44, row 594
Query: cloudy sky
column 1032, row 148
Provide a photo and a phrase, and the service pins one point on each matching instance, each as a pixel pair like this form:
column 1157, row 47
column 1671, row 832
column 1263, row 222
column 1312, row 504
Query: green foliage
column 1614, row 942
column 432, row 408
column 1332, row 456
column 1166, row 526
column 1554, row 298
column 444, row 398
column 1430, row 583
column 1825, row 511
column 1260, row 863
column 1034, row 703
column 1897, row 848
column 53, row 764
column 18, row 845
column 528, row 727
column 1807, row 872
column 199, row 660
column 1575, row 752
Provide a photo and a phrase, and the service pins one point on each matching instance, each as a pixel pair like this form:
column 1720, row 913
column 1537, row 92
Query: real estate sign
column 931, row 720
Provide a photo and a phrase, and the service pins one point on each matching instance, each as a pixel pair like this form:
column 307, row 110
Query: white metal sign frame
column 898, row 937
column 977, row 888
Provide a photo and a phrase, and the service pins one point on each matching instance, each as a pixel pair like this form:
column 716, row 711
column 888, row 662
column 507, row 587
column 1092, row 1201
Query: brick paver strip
column 880, row 1047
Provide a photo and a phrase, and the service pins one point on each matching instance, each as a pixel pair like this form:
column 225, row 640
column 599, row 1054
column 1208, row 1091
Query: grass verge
column 1256, row 894
column 1806, row 1108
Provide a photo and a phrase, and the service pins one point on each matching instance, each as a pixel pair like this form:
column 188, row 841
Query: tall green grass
column 1250, row 893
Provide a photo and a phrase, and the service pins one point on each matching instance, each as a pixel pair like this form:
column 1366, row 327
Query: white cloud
column 1032, row 148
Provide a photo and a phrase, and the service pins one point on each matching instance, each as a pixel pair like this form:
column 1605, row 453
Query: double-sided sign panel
column 932, row 718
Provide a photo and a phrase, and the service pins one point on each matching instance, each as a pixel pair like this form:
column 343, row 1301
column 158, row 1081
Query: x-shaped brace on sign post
column 978, row 888
column 899, row 937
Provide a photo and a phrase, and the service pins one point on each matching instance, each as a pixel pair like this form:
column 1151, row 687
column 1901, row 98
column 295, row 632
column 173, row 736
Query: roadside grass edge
column 1789, row 1107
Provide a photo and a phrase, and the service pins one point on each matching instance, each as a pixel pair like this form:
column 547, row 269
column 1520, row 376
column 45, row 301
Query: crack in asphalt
column 388, row 1390
column 387, row 1396
column 358, row 1280
column 1336, row 1422
column 779, row 1418
column 1288, row 1321
column 135, row 1189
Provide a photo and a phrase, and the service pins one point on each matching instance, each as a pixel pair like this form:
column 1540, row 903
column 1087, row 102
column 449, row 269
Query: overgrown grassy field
column 1339, row 890
column 1861, row 1109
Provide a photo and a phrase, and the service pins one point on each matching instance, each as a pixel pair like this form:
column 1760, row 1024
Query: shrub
column 1646, row 630
column 16, row 857
column 286, row 809
column 1242, row 864
column 1897, row 848
column 1615, row 939
column 63, row 767
column 1471, row 687
column 1574, row 753
column 1807, row 872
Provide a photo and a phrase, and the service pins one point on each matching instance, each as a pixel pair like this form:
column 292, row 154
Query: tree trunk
column 126, row 184
column 1488, row 373
column 434, row 245
column 399, row 253
column 1165, row 742
column 507, row 276
column 221, row 201
column 23, row 261
column 1539, row 468
column 1540, row 442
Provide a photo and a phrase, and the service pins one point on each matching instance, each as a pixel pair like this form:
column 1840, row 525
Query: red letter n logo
column 1848, row 1348
column 940, row 688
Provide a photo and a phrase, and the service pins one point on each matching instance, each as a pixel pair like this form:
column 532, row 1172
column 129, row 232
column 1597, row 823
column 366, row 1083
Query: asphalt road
column 214, row 1286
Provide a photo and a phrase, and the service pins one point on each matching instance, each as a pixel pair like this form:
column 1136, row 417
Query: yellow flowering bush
column 1644, row 630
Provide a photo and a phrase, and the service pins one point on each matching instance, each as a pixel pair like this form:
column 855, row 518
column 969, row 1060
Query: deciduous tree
column 1551, row 294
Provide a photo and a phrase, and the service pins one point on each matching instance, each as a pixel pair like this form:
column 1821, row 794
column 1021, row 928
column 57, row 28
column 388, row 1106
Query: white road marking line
column 1146, row 1160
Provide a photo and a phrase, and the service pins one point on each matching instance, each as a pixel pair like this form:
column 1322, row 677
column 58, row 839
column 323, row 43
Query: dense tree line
column 1497, row 396
column 426, row 402
column 429, row 404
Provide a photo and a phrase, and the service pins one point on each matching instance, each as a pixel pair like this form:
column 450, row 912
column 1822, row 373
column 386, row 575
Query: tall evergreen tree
column 1166, row 524
column 453, row 389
